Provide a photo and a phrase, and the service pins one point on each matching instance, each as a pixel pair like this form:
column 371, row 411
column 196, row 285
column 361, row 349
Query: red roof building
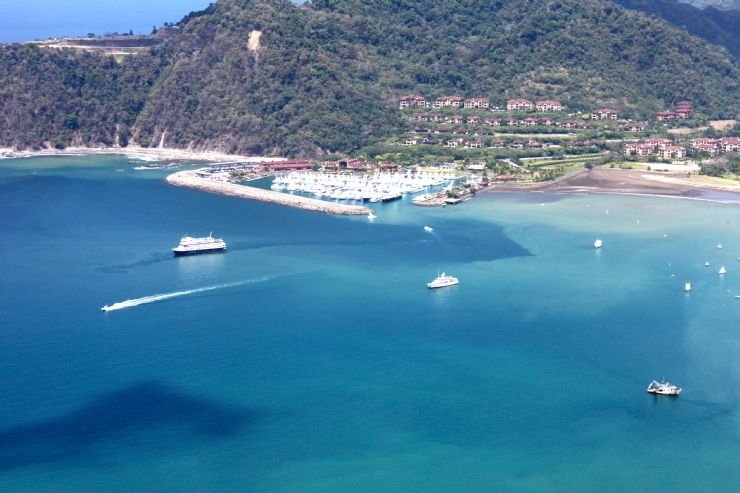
column 519, row 105
column 477, row 103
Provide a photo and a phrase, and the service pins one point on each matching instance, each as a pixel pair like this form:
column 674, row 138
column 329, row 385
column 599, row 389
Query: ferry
column 442, row 281
column 663, row 388
column 192, row 246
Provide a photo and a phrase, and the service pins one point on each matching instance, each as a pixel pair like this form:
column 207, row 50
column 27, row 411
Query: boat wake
column 166, row 296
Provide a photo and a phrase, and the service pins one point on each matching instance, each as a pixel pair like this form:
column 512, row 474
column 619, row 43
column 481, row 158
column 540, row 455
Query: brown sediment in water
column 621, row 181
column 190, row 179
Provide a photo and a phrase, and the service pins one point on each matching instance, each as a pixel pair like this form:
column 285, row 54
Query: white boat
column 442, row 281
column 663, row 388
column 706, row 264
column 687, row 287
column 719, row 245
column 598, row 243
column 192, row 246
column 428, row 229
column 722, row 270
column 371, row 216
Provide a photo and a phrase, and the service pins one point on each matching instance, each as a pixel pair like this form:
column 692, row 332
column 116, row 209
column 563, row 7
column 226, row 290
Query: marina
column 192, row 179
column 363, row 187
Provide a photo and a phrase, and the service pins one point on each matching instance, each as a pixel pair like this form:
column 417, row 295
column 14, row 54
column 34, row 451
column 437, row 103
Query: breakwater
column 192, row 180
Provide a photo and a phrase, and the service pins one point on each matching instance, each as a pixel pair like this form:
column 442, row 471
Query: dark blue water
column 317, row 360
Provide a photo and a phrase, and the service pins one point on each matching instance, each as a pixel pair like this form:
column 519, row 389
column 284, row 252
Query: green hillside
column 326, row 76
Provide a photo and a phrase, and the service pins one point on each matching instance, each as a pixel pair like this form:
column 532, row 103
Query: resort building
column 659, row 142
column 547, row 106
column 412, row 101
column 474, row 144
column 454, row 143
column 436, row 117
column 729, row 144
column 666, row 116
column 448, row 102
column 474, row 120
column 519, row 105
column 457, row 120
column 605, row 114
column 570, row 124
column 710, row 149
column 672, row 152
column 496, row 144
column 638, row 149
column 413, row 140
column 530, row 122
column 493, row 122
column 477, row 103
column 511, row 121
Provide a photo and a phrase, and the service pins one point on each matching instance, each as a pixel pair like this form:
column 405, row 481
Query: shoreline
column 190, row 179
column 617, row 181
column 143, row 153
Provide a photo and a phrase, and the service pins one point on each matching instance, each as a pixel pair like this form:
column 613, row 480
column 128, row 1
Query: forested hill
column 270, row 76
column 721, row 27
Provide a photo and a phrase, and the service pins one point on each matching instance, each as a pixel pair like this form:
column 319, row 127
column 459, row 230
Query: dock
column 191, row 179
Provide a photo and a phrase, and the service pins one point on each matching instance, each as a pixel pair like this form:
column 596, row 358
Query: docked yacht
column 442, row 281
column 192, row 246
column 663, row 388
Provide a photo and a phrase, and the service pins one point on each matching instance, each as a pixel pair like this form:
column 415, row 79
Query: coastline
column 143, row 153
column 190, row 179
column 627, row 182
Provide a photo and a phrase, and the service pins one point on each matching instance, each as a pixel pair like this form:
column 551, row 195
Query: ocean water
column 312, row 358
column 38, row 19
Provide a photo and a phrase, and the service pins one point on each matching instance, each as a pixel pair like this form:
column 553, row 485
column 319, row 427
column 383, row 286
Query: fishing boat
column 663, row 388
column 598, row 243
column 722, row 270
column 687, row 287
column 443, row 281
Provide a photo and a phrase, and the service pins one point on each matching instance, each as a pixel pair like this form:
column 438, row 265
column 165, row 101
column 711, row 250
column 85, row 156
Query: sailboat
column 706, row 264
column 687, row 287
column 598, row 243
column 722, row 270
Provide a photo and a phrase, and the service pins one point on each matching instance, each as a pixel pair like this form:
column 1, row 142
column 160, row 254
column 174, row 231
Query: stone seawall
column 192, row 180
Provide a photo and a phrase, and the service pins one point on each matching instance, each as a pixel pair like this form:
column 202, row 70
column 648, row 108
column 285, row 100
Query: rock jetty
column 192, row 180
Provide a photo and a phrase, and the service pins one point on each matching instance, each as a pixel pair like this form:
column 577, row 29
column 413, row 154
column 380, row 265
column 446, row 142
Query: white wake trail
column 159, row 297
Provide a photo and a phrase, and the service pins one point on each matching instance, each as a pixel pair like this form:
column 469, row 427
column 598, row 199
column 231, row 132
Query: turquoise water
column 319, row 362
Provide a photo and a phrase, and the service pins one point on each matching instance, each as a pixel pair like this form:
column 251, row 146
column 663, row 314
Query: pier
column 191, row 179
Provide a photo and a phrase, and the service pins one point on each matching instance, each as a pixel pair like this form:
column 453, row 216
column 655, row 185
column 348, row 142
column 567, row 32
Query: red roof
column 290, row 165
column 514, row 101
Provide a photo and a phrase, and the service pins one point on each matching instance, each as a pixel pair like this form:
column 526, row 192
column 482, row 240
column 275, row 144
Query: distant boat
column 663, row 388
column 706, row 264
column 442, row 281
column 719, row 245
column 722, row 270
column 371, row 216
column 428, row 229
column 687, row 287
column 598, row 243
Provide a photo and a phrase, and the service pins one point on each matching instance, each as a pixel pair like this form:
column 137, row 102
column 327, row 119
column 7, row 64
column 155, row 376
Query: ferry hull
column 183, row 253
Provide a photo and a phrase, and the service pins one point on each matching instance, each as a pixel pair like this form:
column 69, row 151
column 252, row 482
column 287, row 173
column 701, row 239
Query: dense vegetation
column 716, row 26
column 327, row 75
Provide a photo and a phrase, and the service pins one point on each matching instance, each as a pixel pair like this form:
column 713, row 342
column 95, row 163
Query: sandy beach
column 144, row 153
column 622, row 181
